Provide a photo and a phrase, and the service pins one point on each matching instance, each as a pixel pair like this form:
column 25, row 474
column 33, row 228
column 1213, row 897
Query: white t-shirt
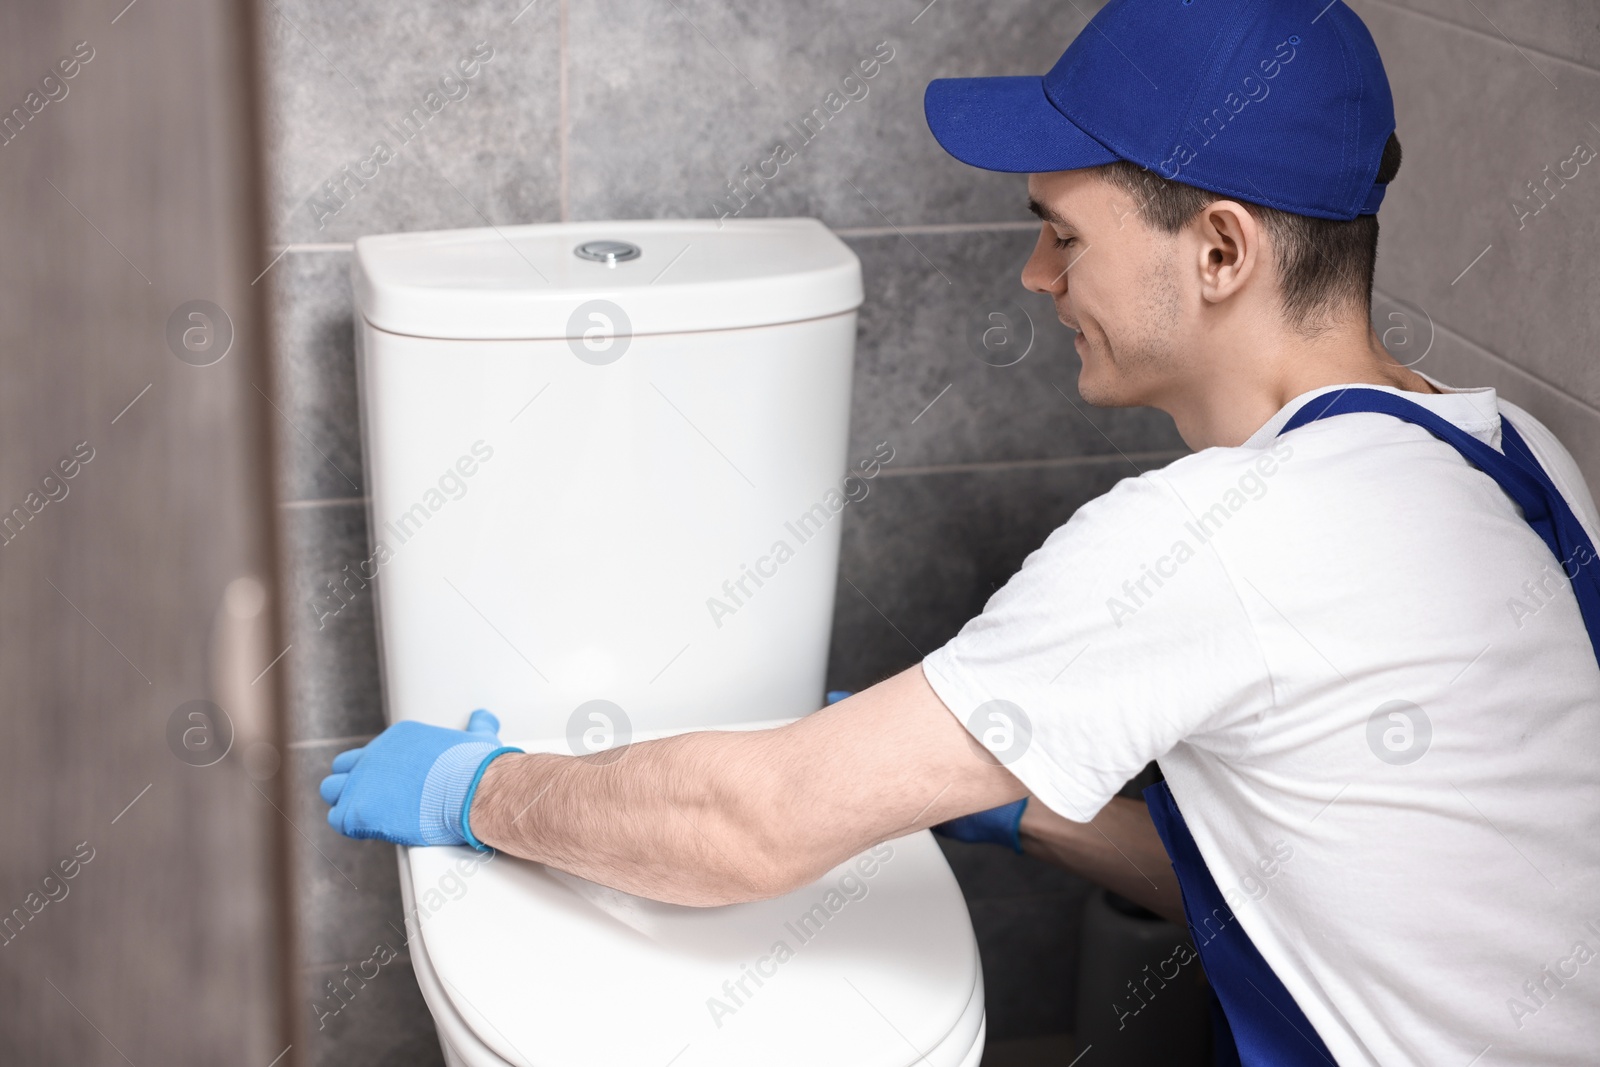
column 1423, row 877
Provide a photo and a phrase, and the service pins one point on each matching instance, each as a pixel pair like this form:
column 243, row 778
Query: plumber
column 1332, row 667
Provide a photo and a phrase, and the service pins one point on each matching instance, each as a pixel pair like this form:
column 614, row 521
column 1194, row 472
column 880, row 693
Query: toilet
column 585, row 444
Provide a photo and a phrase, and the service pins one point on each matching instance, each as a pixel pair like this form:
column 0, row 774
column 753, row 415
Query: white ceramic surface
column 518, row 969
column 525, row 281
column 551, row 528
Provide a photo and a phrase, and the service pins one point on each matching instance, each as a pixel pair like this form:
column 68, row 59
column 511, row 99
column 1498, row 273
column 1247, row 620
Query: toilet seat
column 518, row 969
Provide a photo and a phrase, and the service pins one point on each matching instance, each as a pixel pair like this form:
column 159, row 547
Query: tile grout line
column 1032, row 464
column 936, row 228
column 315, row 246
column 563, row 148
column 310, row 742
column 1502, row 361
column 923, row 230
column 1514, row 44
column 316, row 970
column 1160, row 455
column 325, row 502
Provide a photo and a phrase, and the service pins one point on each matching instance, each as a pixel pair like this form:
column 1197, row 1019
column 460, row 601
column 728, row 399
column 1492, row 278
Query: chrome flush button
column 608, row 252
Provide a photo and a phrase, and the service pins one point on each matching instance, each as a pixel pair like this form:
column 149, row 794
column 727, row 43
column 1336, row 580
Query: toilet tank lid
column 512, row 282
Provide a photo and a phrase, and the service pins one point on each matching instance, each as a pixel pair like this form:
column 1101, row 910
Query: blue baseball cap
column 1276, row 102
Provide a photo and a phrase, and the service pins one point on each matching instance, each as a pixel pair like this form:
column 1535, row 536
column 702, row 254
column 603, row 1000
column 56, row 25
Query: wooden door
column 141, row 907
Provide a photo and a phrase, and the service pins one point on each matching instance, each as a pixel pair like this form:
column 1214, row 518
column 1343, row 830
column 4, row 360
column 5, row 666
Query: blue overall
column 1259, row 1024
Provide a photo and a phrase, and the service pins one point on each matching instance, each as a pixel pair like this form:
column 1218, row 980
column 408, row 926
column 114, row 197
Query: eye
column 1065, row 242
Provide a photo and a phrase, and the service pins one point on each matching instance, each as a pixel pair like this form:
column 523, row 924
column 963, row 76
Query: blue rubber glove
column 413, row 784
column 997, row 826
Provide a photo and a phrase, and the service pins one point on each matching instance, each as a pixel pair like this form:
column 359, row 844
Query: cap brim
column 1007, row 124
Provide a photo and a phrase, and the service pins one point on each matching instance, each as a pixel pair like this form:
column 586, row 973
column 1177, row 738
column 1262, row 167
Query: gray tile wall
column 1487, row 94
column 631, row 108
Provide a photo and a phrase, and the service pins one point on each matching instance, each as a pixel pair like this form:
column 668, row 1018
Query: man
column 1351, row 626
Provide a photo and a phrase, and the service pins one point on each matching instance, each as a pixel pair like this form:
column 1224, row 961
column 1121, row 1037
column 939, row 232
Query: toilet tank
column 605, row 489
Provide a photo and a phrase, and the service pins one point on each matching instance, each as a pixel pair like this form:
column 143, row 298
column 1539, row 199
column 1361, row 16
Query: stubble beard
column 1131, row 370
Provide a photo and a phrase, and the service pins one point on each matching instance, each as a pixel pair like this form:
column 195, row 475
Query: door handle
column 242, row 673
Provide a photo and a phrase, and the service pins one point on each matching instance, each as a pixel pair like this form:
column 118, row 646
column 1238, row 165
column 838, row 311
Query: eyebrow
column 1048, row 214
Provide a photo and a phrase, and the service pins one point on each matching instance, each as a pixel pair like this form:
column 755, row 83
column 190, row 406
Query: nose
column 1045, row 270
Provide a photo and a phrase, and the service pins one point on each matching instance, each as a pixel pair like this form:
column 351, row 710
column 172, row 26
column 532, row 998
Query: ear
column 1230, row 249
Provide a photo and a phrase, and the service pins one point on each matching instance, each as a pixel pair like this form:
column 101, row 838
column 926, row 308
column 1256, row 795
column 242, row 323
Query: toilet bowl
column 606, row 469
column 516, row 969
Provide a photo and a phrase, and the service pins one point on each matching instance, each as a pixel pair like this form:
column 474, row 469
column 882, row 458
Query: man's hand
column 413, row 784
column 996, row 826
column 1118, row 849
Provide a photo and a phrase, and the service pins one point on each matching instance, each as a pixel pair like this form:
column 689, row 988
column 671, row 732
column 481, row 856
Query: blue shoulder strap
column 1516, row 471
column 1268, row 1029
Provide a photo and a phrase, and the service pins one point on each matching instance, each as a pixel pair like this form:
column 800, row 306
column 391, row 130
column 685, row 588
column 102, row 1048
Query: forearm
column 680, row 819
column 719, row 817
column 1119, row 849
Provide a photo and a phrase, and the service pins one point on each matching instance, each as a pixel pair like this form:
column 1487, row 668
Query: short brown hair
column 1324, row 265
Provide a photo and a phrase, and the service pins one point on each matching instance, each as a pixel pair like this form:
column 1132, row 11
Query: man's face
column 1114, row 279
